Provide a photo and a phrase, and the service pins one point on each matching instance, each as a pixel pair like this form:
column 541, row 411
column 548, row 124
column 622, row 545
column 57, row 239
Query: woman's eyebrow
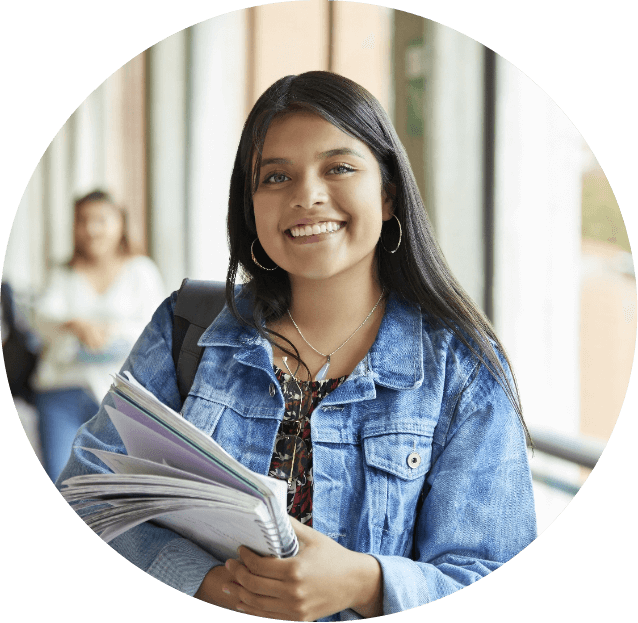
column 340, row 151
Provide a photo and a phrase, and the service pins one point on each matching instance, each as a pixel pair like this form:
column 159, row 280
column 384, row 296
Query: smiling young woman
column 311, row 174
column 319, row 209
column 352, row 365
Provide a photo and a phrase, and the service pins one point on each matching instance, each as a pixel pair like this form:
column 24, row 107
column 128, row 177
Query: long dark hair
column 417, row 272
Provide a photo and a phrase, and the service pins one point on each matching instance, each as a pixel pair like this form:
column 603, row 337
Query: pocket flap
column 406, row 455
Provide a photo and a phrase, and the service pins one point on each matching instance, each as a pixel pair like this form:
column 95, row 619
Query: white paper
column 181, row 479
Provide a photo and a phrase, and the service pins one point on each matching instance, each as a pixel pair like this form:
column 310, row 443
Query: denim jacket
column 418, row 457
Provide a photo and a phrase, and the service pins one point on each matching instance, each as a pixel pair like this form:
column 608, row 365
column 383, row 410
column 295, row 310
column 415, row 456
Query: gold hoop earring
column 252, row 254
column 400, row 237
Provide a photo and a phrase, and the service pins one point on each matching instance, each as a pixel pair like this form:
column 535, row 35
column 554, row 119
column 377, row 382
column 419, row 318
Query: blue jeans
column 61, row 413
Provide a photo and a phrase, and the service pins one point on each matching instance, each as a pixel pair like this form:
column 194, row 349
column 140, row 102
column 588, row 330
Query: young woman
column 93, row 310
column 352, row 365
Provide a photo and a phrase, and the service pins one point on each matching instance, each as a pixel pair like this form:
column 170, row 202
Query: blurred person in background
column 89, row 317
column 20, row 346
column 20, row 350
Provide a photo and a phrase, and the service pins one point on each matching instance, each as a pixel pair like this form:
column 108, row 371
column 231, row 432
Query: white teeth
column 317, row 228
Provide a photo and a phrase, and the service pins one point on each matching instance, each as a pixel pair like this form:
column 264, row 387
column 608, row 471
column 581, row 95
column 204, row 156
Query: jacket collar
column 394, row 361
column 396, row 357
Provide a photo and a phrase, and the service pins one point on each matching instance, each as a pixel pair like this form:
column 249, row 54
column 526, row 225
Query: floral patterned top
column 293, row 445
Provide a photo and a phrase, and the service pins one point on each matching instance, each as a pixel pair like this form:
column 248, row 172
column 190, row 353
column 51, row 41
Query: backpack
column 198, row 304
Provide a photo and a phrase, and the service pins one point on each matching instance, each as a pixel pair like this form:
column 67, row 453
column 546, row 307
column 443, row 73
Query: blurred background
column 521, row 208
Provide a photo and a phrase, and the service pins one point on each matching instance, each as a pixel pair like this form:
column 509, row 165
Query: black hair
column 417, row 271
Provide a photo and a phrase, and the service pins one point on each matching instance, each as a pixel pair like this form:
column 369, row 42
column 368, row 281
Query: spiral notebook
column 179, row 478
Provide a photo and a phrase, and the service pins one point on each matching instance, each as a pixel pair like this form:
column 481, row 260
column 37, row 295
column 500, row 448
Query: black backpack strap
column 198, row 304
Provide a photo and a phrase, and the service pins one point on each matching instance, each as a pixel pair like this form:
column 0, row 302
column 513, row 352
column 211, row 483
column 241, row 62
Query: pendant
column 321, row 375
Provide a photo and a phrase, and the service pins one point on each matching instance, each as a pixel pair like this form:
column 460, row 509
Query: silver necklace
column 324, row 369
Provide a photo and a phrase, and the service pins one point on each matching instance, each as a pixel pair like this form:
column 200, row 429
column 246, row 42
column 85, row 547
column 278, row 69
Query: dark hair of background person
column 98, row 195
column 417, row 272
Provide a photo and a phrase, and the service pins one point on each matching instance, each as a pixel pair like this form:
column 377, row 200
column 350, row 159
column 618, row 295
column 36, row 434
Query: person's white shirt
column 126, row 306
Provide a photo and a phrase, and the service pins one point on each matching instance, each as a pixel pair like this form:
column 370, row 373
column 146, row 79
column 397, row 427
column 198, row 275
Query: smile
column 313, row 230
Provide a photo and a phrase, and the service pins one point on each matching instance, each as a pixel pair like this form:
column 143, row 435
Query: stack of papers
column 178, row 477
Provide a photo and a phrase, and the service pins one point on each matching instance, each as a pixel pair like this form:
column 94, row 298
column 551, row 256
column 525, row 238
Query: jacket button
column 414, row 460
column 271, row 389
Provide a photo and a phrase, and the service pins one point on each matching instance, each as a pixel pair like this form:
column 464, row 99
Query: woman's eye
column 276, row 178
column 340, row 169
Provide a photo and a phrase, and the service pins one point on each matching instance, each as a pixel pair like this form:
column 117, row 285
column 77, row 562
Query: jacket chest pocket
column 395, row 468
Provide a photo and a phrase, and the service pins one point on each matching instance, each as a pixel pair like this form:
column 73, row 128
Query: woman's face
column 319, row 206
column 98, row 230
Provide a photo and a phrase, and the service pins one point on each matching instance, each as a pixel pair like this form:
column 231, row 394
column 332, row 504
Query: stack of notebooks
column 179, row 478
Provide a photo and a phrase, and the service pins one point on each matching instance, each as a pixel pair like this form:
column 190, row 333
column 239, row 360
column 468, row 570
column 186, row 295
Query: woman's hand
column 92, row 334
column 211, row 589
column 323, row 578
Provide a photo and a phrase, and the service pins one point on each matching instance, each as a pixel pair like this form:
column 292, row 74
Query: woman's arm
column 51, row 308
column 139, row 295
column 94, row 335
column 54, row 316
column 478, row 511
column 158, row 551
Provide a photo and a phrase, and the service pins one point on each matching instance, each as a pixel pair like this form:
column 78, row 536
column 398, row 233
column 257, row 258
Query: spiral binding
column 277, row 548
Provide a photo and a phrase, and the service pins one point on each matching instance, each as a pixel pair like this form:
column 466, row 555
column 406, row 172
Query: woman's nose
column 308, row 192
column 94, row 228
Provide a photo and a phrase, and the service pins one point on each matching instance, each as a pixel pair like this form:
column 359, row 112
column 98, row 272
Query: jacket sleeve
column 478, row 510
column 162, row 553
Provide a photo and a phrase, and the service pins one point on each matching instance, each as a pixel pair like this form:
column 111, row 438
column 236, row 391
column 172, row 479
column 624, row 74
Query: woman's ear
column 387, row 207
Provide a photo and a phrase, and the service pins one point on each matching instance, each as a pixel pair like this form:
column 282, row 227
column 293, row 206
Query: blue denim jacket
column 416, row 415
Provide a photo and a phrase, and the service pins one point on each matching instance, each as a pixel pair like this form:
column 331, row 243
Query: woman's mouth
column 309, row 231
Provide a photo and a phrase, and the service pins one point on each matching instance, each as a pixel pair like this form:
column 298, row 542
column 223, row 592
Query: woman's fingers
column 256, row 584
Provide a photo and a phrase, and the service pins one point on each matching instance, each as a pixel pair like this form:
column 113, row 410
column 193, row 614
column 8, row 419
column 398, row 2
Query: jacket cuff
column 404, row 585
column 182, row 565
